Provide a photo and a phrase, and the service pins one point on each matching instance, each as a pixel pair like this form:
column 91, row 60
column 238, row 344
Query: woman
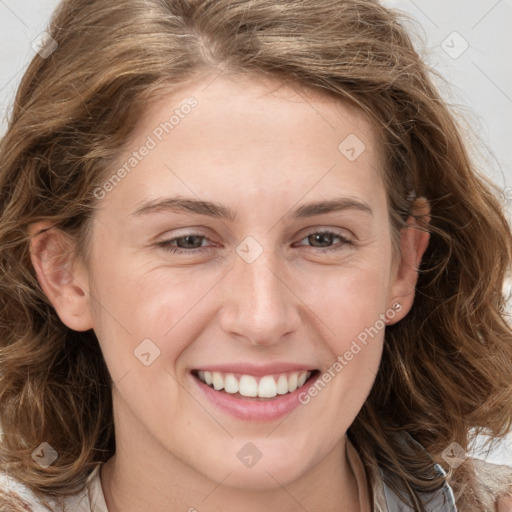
column 246, row 265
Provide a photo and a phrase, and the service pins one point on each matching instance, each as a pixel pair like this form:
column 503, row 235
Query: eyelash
column 166, row 244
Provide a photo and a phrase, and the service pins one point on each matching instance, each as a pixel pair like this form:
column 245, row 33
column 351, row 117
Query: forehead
column 251, row 134
column 254, row 98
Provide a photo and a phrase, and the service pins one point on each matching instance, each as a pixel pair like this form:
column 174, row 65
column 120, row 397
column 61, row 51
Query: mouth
column 256, row 388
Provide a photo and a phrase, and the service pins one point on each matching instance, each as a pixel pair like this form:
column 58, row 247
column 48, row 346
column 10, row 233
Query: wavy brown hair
column 74, row 111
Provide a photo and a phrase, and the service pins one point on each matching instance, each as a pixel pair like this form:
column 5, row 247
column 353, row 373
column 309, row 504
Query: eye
column 190, row 244
column 327, row 237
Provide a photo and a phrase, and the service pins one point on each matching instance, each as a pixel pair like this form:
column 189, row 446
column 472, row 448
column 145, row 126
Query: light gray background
column 480, row 77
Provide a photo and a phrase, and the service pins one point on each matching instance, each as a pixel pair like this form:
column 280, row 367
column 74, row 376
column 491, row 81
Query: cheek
column 351, row 299
column 351, row 307
column 143, row 309
column 355, row 316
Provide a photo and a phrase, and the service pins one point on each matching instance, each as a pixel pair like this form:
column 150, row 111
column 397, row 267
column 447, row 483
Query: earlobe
column 414, row 239
column 51, row 253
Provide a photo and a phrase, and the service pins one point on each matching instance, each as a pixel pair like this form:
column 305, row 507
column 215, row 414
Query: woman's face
column 255, row 295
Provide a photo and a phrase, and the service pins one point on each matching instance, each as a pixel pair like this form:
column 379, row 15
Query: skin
column 261, row 148
column 505, row 504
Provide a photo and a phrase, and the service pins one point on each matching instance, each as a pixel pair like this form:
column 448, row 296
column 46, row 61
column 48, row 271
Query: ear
column 51, row 253
column 413, row 242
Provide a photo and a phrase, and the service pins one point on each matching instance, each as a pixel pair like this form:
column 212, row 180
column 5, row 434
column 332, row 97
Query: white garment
column 16, row 497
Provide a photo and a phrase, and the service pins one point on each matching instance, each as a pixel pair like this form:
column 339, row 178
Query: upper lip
column 256, row 370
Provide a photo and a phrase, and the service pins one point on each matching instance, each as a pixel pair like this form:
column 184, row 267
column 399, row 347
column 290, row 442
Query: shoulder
column 17, row 497
column 490, row 484
column 493, row 477
column 493, row 484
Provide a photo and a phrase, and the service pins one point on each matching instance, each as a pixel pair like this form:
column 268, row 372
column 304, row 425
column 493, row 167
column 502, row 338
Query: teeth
column 302, row 378
column 231, row 384
column 248, row 386
column 268, row 386
column 218, row 381
column 282, row 385
column 292, row 382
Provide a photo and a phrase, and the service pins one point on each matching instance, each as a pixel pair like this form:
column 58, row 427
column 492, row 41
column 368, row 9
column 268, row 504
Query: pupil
column 318, row 236
column 188, row 238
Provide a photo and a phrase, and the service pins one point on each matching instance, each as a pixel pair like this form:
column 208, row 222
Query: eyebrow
column 217, row 210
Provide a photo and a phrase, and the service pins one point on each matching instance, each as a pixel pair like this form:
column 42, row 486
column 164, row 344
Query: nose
column 258, row 302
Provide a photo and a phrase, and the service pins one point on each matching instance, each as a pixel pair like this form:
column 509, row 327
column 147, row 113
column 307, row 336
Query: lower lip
column 252, row 409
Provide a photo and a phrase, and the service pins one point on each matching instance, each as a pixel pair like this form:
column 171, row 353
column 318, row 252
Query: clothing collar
column 442, row 500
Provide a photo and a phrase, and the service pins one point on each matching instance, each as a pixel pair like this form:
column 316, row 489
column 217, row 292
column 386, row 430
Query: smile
column 267, row 386
column 254, row 398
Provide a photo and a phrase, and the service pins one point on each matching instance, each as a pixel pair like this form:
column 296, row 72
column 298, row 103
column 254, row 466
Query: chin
column 267, row 473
